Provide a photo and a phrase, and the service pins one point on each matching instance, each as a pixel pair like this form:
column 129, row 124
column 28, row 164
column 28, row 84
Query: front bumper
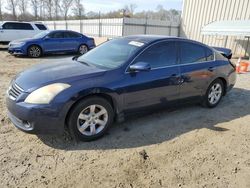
column 16, row 51
column 35, row 119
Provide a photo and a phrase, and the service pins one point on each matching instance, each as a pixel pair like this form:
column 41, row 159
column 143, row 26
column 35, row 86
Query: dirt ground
column 187, row 147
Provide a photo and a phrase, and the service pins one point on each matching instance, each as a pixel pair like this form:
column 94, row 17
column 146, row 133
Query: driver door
column 53, row 42
column 158, row 86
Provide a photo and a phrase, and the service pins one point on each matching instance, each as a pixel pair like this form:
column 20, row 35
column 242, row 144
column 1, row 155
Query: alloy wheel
column 35, row 51
column 215, row 93
column 92, row 120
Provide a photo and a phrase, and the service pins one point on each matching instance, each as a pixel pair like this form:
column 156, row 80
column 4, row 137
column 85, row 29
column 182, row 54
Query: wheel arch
column 34, row 45
column 224, row 81
column 105, row 96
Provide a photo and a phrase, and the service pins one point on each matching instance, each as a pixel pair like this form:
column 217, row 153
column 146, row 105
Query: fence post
column 80, row 26
column 123, row 25
column 146, row 24
column 100, row 25
column 66, row 25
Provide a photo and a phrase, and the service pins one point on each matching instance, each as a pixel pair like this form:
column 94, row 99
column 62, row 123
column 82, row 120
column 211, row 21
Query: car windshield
column 41, row 35
column 111, row 54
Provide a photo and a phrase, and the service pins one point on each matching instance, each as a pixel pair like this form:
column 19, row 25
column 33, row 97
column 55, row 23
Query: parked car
column 57, row 41
column 12, row 30
column 119, row 77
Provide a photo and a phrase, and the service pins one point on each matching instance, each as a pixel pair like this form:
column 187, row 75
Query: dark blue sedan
column 123, row 76
column 58, row 41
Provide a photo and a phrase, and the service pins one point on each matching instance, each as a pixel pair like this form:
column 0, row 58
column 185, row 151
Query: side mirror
column 46, row 37
column 1, row 28
column 140, row 66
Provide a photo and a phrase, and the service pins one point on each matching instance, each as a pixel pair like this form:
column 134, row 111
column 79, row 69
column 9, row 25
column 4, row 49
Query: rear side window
column 71, row 35
column 17, row 26
column 191, row 53
column 56, row 35
column 159, row 55
column 41, row 26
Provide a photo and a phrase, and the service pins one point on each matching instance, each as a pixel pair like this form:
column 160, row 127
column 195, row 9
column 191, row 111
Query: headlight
column 46, row 94
column 17, row 44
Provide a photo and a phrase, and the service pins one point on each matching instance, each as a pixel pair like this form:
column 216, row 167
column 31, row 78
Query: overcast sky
column 108, row 5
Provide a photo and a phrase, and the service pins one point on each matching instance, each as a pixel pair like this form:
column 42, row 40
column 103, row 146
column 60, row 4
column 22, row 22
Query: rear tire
column 90, row 119
column 83, row 49
column 34, row 51
column 214, row 94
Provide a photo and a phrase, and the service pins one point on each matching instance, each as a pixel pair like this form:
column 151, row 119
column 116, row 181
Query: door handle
column 211, row 69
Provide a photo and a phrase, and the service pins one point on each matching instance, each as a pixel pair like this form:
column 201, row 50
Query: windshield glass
column 41, row 35
column 111, row 54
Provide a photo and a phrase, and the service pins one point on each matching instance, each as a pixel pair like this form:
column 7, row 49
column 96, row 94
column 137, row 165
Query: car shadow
column 162, row 126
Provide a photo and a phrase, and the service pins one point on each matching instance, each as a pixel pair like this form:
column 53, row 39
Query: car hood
column 23, row 40
column 65, row 71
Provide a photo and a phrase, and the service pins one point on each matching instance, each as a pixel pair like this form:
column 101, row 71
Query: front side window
column 192, row 53
column 159, row 55
column 56, row 35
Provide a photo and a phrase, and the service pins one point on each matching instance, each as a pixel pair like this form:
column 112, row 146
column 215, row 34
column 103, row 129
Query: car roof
column 149, row 38
column 22, row 22
column 61, row 30
column 154, row 38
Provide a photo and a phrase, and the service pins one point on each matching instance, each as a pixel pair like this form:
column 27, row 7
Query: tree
column 57, row 8
column 22, row 5
column 78, row 9
column 130, row 9
column 48, row 5
column 65, row 6
column 35, row 5
column 1, row 14
column 12, row 6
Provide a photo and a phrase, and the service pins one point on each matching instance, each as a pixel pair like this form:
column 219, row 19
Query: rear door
column 196, row 68
column 160, row 85
column 54, row 42
column 71, row 41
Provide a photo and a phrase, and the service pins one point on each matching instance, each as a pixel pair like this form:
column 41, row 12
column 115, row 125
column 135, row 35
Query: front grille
column 14, row 91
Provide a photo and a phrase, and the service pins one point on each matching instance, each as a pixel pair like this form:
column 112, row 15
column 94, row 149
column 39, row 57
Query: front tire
column 90, row 119
column 214, row 94
column 34, row 51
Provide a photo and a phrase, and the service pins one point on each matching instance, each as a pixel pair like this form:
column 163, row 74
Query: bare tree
column 65, row 6
column 22, row 5
column 78, row 9
column 48, row 6
column 57, row 8
column 130, row 9
column 1, row 14
column 35, row 5
column 12, row 6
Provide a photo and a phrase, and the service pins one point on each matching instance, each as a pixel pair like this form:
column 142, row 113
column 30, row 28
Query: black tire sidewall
column 73, row 116
column 206, row 102
column 31, row 55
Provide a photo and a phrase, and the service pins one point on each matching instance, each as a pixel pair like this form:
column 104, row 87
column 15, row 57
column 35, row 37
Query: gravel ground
column 187, row 147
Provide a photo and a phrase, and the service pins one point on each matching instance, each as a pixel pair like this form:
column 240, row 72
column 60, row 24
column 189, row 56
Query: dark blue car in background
column 57, row 41
column 86, row 94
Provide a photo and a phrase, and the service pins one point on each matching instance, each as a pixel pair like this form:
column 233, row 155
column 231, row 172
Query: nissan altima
column 86, row 94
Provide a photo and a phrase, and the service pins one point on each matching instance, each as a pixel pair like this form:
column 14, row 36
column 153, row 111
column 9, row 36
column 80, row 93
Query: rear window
column 41, row 26
column 17, row 26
